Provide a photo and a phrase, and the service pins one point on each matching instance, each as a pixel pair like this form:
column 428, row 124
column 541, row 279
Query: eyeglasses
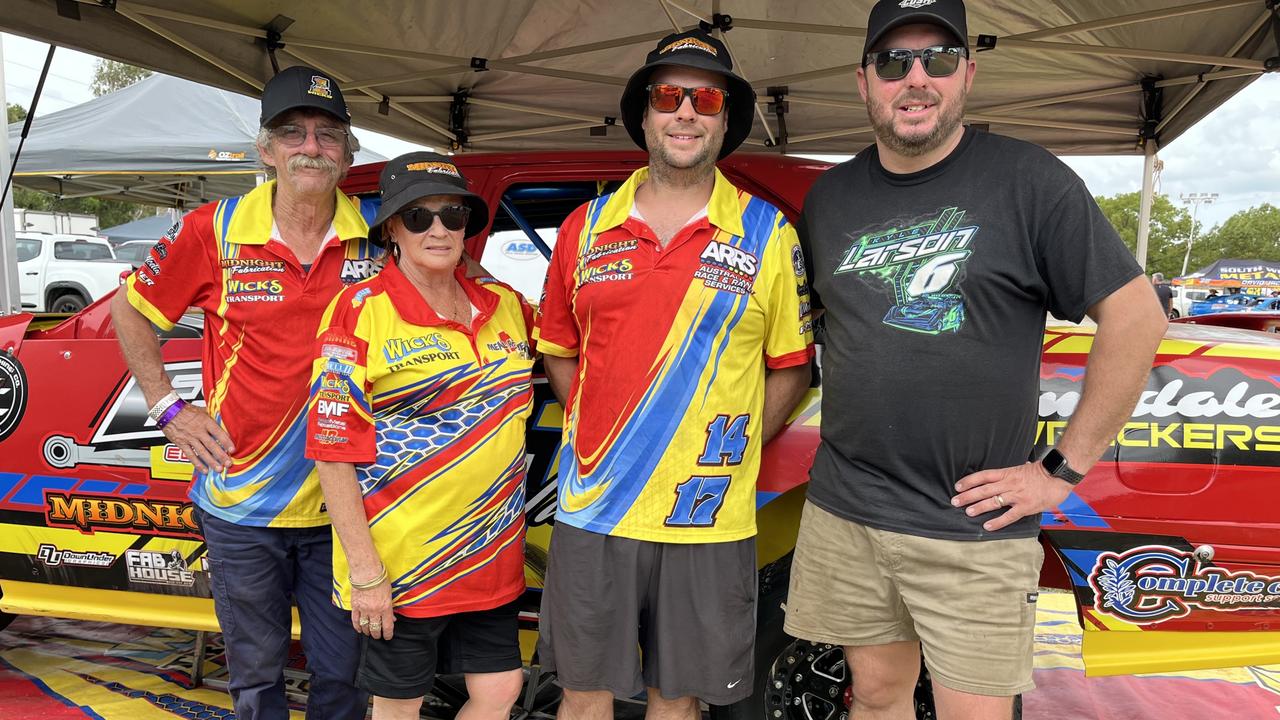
column 706, row 100
column 420, row 219
column 295, row 135
column 938, row 61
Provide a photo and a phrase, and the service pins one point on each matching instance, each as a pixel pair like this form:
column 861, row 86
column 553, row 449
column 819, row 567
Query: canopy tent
column 1235, row 273
column 1077, row 76
column 147, row 228
column 161, row 141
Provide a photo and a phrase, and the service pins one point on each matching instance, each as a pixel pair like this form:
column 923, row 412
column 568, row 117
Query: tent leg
column 10, row 300
column 1148, row 197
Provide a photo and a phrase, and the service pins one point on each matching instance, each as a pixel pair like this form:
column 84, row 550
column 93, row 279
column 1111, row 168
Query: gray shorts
column 690, row 609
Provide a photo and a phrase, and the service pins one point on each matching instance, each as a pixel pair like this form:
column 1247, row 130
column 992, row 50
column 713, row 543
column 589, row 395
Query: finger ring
column 375, row 626
column 999, row 501
column 364, row 621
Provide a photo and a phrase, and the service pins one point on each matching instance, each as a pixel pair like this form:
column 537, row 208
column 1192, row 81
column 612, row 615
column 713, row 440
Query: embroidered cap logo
column 915, row 4
column 320, row 86
column 692, row 44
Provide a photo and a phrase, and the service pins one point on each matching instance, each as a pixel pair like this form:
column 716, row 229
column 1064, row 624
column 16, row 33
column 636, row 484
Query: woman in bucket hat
column 419, row 400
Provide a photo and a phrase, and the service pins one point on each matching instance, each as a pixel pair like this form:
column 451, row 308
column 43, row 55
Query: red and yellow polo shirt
column 261, row 309
column 433, row 415
column 662, row 426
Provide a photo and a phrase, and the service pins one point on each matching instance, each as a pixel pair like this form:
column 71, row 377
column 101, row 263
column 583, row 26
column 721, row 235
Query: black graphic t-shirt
column 935, row 286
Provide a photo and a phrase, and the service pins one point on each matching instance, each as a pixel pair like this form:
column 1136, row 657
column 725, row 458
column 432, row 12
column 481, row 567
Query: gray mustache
column 307, row 162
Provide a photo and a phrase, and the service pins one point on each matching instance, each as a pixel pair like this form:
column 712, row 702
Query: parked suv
column 64, row 273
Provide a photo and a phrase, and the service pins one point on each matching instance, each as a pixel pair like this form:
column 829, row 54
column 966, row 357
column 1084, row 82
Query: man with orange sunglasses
column 673, row 331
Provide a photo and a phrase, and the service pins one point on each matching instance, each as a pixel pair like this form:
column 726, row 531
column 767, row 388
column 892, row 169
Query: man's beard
column 318, row 162
column 681, row 172
column 949, row 117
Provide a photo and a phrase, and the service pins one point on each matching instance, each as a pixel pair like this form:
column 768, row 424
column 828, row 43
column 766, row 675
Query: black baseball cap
column 890, row 14
column 421, row 174
column 301, row 86
column 695, row 49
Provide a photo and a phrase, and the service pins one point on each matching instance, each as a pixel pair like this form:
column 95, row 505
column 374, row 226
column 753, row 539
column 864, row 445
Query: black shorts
column 689, row 608
column 405, row 666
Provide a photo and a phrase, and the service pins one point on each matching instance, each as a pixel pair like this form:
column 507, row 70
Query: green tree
column 1170, row 228
column 1252, row 234
column 16, row 113
column 109, row 76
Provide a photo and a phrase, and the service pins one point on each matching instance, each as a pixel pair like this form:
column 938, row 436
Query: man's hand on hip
column 203, row 440
column 1026, row 489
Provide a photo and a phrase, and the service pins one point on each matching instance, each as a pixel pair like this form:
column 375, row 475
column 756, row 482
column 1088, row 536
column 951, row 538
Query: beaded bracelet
column 371, row 584
column 170, row 414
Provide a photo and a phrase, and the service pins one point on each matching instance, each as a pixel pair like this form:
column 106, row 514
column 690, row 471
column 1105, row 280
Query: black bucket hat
column 890, row 14
column 302, row 86
column 695, row 49
column 417, row 175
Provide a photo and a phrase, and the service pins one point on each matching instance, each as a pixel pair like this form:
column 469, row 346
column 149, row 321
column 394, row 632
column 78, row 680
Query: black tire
column 71, row 302
column 1174, row 314
column 5, row 619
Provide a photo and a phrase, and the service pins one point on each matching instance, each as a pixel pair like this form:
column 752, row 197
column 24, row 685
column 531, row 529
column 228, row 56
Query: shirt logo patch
column 433, row 166
column 608, row 249
column 402, row 352
column 915, row 4
column 320, row 86
column 797, row 260
column 249, row 266
column 691, row 44
column 615, row 271
column 725, row 267
column 254, row 291
column 354, row 271
column 508, row 345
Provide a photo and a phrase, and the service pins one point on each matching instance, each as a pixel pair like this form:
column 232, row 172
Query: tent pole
column 10, row 299
column 1148, row 197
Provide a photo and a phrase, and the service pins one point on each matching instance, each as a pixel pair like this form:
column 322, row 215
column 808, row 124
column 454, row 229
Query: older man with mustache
column 262, row 267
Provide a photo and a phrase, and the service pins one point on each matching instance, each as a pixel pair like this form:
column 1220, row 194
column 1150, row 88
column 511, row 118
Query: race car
column 1234, row 302
column 1171, row 546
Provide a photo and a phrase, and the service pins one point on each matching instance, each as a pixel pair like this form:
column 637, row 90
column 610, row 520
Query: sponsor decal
column 330, row 424
column 802, row 290
column 508, row 345
column 433, row 166
column 51, row 556
column 608, row 249
column 160, row 249
column 158, row 568
column 805, row 308
column 714, row 277
column 320, row 87
column 689, row 44
column 337, row 350
column 145, row 279
column 270, row 290
column 1228, row 417
column 919, row 266
column 13, row 394
column 914, row 4
column 332, row 408
column 521, row 250
column 728, row 256
column 151, row 265
column 396, row 349
column 354, row 271
column 249, row 266
column 614, row 271
column 90, row 513
column 173, row 453
column 1153, row 583
column 797, row 260
column 172, row 234
column 226, row 156
column 330, row 436
column 339, row 367
column 127, row 419
column 360, row 295
column 806, row 327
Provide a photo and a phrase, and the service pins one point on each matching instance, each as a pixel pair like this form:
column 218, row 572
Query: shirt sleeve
column 178, row 272
column 1080, row 256
column 789, row 325
column 555, row 328
column 339, row 416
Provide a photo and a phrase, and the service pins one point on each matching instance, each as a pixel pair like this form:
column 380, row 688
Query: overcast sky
column 1235, row 151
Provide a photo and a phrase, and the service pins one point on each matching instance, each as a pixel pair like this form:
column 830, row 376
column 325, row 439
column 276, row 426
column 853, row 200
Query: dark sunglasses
column 706, row 100
column 420, row 219
column 939, row 61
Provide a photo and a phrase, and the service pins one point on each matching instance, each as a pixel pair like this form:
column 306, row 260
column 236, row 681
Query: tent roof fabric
column 162, row 140
column 1236, row 273
column 147, row 228
column 546, row 74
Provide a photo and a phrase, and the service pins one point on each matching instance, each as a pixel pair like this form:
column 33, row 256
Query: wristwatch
column 1055, row 463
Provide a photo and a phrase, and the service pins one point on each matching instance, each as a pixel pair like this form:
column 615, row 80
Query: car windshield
column 132, row 252
column 81, row 250
column 28, row 249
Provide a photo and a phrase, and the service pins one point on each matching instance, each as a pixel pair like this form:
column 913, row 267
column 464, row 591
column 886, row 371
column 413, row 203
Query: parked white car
column 64, row 273
column 1182, row 299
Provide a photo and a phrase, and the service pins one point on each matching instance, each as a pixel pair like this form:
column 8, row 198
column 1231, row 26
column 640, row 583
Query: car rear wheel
column 68, row 303
column 1174, row 314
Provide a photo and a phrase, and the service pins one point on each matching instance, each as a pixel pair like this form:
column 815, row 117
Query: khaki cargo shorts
column 971, row 605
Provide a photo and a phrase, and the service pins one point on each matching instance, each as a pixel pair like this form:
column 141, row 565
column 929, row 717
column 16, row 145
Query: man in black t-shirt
column 1164, row 292
column 936, row 254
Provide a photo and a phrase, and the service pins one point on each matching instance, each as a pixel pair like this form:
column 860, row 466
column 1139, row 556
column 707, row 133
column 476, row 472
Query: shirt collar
column 414, row 309
column 723, row 209
column 252, row 220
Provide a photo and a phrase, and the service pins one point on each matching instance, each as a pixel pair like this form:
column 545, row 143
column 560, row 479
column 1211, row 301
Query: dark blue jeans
column 257, row 573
